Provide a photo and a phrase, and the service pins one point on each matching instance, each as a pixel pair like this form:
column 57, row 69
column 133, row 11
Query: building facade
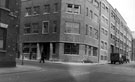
column 8, row 32
column 67, row 30
column 133, row 46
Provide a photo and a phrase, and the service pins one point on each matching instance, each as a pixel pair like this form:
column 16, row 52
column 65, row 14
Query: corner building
column 69, row 30
column 64, row 30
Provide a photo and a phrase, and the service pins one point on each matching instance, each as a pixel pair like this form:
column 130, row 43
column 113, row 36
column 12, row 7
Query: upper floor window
column 87, row 29
column 72, row 27
column 87, row 11
column 105, row 20
column 77, row 9
column 56, row 7
column 95, row 17
column 36, row 10
column 28, row 11
column 27, row 28
column 31, row 28
column 54, row 26
column 72, row 8
column 46, row 8
column 91, row 14
column 96, row 33
column 45, row 28
column 35, row 27
column 96, row 3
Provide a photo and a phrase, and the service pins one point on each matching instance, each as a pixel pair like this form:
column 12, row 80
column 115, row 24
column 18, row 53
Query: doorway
column 46, row 50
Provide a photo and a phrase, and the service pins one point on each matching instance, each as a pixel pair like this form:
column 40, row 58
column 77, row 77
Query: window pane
column 45, row 27
column 35, row 27
column 47, row 8
column 36, row 10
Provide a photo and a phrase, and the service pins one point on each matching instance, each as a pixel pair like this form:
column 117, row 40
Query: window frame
column 43, row 27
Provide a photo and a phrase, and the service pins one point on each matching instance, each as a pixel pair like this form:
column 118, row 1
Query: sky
column 127, row 10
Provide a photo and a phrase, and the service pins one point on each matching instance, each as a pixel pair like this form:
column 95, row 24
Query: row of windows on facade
column 69, row 48
column 34, row 27
column 35, row 10
column 70, row 27
column 118, row 41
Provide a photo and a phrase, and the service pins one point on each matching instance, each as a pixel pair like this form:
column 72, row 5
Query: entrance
column 46, row 50
column 112, row 49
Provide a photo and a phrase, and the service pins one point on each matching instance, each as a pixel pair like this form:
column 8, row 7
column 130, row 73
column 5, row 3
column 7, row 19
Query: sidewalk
column 19, row 69
column 67, row 63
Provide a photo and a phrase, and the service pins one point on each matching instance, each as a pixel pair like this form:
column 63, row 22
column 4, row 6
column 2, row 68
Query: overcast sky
column 127, row 10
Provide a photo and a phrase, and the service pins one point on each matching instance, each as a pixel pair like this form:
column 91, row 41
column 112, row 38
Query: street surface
column 57, row 72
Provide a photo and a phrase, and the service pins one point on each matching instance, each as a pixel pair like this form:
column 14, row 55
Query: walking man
column 42, row 59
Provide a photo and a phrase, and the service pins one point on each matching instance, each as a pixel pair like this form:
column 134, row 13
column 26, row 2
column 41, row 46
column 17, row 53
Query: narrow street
column 56, row 72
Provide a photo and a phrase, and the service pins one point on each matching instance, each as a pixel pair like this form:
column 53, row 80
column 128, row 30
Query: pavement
column 19, row 69
column 29, row 68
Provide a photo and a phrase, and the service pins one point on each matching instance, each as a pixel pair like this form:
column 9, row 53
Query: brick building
column 67, row 30
column 8, row 31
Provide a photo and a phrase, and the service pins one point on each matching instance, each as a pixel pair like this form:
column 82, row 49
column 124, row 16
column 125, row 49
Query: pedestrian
column 42, row 58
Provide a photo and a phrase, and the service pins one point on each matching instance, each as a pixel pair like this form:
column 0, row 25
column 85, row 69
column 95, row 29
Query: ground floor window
column 71, row 48
column 30, row 49
column 3, row 34
column 95, row 51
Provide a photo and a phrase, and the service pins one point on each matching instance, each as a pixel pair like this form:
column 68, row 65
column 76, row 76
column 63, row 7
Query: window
column 70, row 8
column 87, row 13
column 102, row 45
column 102, row 30
column 91, row 14
column 96, row 33
column 33, row 47
column 75, row 9
column 71, row 48
column 87, row 31
column 56, row 7
column 27, row 28
column 35, row 27
column 103, row 5
column 26, row 48
column 95, row 51
column 3, row 33
column 105, row 20
column 72, row 28
column 28, row 11
column 85, row 49
column 105, row 46
column 45, row 28
column 96, row 18
column 36, row 10
column 96, row 3
column 54, row 26
column 90, row 31
column 106, row 32
column 47, row 9
column 89, row 52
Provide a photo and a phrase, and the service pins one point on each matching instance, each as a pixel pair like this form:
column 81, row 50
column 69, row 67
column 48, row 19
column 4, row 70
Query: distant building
column 8, row 31
column 72, row 30
column 133, row 46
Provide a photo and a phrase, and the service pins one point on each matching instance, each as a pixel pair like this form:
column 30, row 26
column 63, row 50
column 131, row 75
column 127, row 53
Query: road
column 56, row 72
